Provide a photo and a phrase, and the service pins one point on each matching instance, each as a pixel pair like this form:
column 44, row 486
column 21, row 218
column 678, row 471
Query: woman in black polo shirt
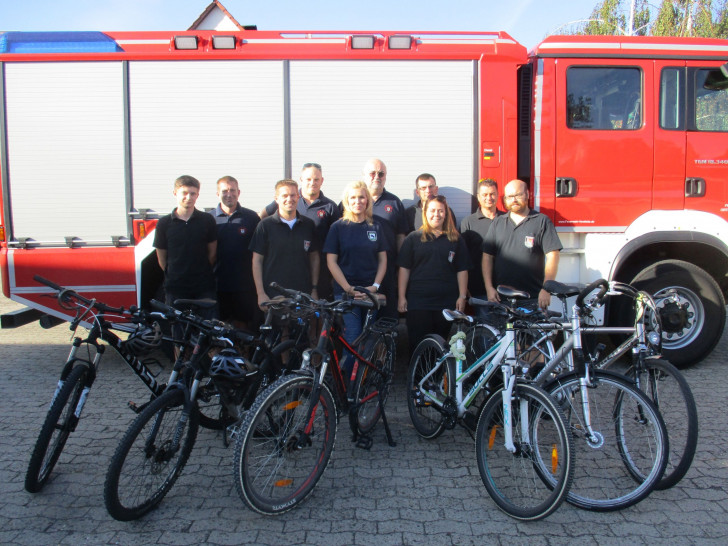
column 356, row 254
column 433, row 272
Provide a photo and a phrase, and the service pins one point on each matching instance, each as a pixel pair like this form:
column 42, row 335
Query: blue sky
column 528, row 21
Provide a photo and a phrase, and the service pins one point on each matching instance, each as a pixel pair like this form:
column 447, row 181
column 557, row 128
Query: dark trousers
column 421, row 323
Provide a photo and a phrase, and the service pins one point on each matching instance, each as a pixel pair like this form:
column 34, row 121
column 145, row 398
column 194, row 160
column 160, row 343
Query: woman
column 356, row 254
column 433, row 272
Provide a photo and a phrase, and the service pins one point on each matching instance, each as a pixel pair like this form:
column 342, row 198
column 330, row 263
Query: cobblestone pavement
column 420, row 492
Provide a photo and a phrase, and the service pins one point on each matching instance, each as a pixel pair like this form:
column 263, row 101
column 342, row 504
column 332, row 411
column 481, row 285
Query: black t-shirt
column 519, row 250
column 433, row 265
column 189, row 272
column 474, row 229
column 286, row 251
column 357, row 246
column 234, row 232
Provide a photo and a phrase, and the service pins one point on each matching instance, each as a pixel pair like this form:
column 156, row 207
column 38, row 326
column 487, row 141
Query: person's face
column 375, row 175
column 287, row 199
column 515, row 198
column 186, row 196
column 487, row 197
column 311, row 181
column 426, row 189
column 357, row 200
column 229, row 193
column 435, row 214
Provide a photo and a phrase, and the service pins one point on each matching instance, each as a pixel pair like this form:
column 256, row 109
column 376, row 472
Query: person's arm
column 381, row 270
column 487, row 266
column 162, row 258
column 402, row 282
column 549, row 274
column 332, row 260
column 212, row 252
column 462, row 290
column 315, row 264
column 400, row 240
column 269, row 209
column 258, row 278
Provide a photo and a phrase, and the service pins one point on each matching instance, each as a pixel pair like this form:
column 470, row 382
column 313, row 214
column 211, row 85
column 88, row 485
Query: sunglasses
column 314, row 165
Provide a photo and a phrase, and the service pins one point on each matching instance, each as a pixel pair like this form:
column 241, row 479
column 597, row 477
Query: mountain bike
column 521, row 434
column 288, row 436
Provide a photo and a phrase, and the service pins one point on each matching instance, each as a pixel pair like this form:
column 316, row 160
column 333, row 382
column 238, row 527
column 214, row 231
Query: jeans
column 353, row 326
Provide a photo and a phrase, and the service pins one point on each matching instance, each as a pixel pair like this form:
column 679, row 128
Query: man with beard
column 521, row 248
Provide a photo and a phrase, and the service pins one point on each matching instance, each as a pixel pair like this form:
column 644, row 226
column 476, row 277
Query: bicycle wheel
column 428, row 420
column 273, row 473
column 370, row 384
column 669, row 390
column 60, row 421
column 148, row 460
column 532, row 482
column 629, row 440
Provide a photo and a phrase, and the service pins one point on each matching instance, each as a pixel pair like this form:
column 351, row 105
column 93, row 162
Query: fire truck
column 623, row 142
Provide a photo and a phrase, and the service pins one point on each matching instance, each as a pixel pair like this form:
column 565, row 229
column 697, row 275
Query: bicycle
column 80, row 371
column 518, row 429
column 663, row 383
column 155, row 448
column 288, row 436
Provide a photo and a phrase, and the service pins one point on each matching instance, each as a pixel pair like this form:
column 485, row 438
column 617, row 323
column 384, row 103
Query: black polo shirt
column 357, row 246
column 389, row 210
column 233, row 270
column 433, row 265
column 286, row 251
column 519, row 250
column 473, row 229
column 322, row 210
column 414, row 217
column 189, row 272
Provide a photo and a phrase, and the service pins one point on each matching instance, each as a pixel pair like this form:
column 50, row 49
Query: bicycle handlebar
column 210, row 326
column 65, row 295
column 590, row 288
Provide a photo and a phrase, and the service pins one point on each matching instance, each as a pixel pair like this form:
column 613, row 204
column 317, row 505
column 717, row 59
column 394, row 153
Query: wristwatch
column 376, row 285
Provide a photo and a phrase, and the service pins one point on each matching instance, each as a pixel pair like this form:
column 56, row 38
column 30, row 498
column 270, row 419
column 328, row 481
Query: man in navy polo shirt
column 284, row 247
column 521, row 248
column 313, row 204
column 236, row 294
column 388, row 209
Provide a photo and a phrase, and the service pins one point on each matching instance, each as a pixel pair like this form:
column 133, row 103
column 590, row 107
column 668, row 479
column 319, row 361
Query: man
column 236, row 294
column 521, row 248
column 284, row 247
column 323, row 211
column 389, row 211
column 426, row 188
column 473, row 229
column 186, row 243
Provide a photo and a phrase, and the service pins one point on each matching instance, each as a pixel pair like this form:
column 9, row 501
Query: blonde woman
column 356, row 252
column 433, row 272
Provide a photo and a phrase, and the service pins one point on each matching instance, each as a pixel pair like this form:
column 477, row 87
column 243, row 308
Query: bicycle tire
column 369, row 384
column 57, row 427
column 531, row 483
column 426, row 417
column 140, row 473
column 632, row 438
column 667, row 387
column 272, row 474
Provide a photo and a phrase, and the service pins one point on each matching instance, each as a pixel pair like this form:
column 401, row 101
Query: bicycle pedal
column 365, row 442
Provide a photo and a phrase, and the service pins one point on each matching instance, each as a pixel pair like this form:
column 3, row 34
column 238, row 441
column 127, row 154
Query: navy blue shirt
column 389, row 210
column 233, row 270
column 434, row 265
column 357, row 246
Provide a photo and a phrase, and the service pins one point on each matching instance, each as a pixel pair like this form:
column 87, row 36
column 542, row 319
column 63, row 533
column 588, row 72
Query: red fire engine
column 623, row 142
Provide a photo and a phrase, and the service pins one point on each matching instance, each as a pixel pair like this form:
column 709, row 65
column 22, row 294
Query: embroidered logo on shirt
column 451, row 256
column 243, row 231
column 321, row 213
column 306, row 245
column 372, row 235
column 388, row 209
column 528, row 242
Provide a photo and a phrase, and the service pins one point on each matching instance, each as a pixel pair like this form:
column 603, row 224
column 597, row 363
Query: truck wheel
column 692, row 325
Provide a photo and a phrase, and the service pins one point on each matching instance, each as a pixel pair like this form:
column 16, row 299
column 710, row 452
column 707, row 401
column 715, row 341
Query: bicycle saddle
column 560, row 290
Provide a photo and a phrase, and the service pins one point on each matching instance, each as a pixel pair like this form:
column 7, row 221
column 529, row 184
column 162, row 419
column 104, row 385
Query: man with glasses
column 389, row 211
column 474, row 229
column 323, row 211
column 426, row 188
column 521, row 248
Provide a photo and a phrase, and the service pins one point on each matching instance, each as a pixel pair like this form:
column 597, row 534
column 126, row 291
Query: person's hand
column 460, row 303
column 402, row 305
column 263, row 299
column 314, row 293
column 492, row 294
column 544, row 299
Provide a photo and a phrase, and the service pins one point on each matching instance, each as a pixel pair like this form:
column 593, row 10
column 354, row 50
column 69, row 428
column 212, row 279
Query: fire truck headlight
column 223, row 42
column 185, row 42
column 400, row 42
column 365, row 41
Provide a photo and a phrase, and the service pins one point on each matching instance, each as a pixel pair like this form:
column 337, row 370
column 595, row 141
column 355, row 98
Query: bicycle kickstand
column 390, row 439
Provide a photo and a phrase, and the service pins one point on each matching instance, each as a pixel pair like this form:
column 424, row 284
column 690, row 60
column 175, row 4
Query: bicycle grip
column 45, row 281
column 373, row 300
column 163, row 307
column 590, row 288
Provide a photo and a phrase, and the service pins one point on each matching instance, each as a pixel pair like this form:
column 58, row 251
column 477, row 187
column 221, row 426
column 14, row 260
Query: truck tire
column 694, row 325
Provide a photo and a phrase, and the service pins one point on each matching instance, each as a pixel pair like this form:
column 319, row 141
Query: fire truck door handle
column 694, row 187
column 566, row 187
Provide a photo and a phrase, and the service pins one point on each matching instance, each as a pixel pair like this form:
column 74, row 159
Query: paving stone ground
column 420, row 492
